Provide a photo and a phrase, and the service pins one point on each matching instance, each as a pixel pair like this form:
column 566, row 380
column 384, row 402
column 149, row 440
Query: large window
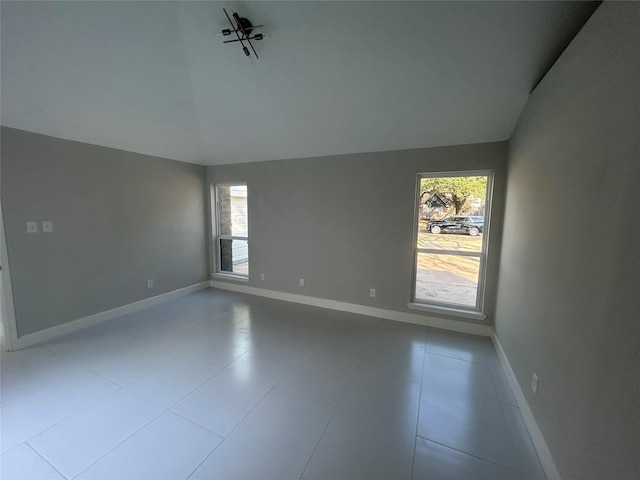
column 232, row 230
column 452, row 237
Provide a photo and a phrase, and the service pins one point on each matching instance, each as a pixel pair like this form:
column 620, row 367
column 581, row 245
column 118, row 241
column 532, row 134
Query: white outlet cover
column 534, row 383
column 302, row 282
column 32, row 227
column 47, row 226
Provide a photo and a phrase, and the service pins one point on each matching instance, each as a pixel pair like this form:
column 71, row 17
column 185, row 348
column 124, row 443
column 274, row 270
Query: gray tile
column 22, row 463
column 503, row 389
column 21, row 358
column 403, row 360
column 224, row 347
column 125, row 364
column 322, row 376
column 384, row 396
column 223, row 401
column 352, row 337
column 459, row 408
column 30, row 378
column 437, row 462
column 77, row 442
column 284, row 365
column 33, row 414
column 525, row 451
column 391, row 332
column 362, row 446
column 170, row 447
column 274, row 442
column 454, row 344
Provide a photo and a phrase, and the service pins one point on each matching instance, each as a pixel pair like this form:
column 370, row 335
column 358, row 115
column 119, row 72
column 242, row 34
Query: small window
column 232, row 230
column 452, row 238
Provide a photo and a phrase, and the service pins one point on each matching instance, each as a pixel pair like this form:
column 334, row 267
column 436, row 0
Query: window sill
column 230, row 276
column 453, row 311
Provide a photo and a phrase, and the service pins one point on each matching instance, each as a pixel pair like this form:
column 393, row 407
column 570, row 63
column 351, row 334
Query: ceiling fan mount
column 245, row 24
column 243, row 30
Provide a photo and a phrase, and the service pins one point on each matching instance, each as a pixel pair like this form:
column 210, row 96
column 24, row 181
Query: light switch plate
column 32, row 227
column 47, row 226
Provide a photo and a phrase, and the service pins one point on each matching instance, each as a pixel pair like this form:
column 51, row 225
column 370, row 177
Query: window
column 232, row 230
column 451, row 240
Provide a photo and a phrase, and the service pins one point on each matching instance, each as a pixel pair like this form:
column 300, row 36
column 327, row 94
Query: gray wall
column 120, row 218
column 569, row 277
column 345, row 223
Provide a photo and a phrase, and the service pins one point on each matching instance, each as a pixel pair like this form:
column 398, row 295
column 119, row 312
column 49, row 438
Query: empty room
column 320, row 240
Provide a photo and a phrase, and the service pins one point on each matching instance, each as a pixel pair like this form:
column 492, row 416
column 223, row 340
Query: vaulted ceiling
column 333, row 78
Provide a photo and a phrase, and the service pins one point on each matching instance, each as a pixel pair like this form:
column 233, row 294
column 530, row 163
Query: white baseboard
column 463, row 327
column 544, row 454
column 69, row 327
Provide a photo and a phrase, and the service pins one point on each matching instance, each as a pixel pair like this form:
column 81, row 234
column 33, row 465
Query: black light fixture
column 243, row 30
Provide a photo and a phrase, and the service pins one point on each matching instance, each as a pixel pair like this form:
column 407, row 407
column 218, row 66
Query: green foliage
column 456, row 189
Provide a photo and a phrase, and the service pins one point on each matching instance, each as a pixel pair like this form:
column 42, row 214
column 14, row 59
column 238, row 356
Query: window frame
column 217, row 237
column 471, row 312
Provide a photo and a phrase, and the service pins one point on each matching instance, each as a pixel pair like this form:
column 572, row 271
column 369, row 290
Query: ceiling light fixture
column 243, row 30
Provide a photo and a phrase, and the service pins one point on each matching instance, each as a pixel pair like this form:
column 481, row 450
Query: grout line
column 305, row 396
column 508, row 404
column 168, row 409
column 123, row 441
column 355, row 370
column 134, row 433
column 49, row 349
column 511, row 436
column 230, row 432
column 194, row 423
column 456, row 358
column 47, row 461
column 470, row 454
column 513, row 445
column 193, row 389
column 326, row 427
column 415, row 440
column 82, row 409
column 221, row 367
column 107, row 379
column 495, row 391
column 250, row 410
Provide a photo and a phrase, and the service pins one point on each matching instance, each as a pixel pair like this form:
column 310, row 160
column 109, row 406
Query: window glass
column 451, row 243
column 232, row 229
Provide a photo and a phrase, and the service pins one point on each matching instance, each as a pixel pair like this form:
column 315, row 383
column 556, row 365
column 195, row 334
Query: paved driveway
column 447, row 278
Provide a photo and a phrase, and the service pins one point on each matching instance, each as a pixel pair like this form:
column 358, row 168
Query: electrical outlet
column 262, row 276
column 149, row 283
column 302, row 282
column 32, row 227
column 372, row 292
column 47, row 227
column 534, row 383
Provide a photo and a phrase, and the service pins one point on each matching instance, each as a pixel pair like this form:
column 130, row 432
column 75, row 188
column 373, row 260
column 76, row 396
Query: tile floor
column 217, row 385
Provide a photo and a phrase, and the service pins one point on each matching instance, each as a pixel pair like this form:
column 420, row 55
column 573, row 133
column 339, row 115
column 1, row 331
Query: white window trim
column 453, row 311
column 475, row 312
column 217, row 273
column 231, row 276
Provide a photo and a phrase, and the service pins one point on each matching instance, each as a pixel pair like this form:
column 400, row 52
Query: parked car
column 467, row 225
